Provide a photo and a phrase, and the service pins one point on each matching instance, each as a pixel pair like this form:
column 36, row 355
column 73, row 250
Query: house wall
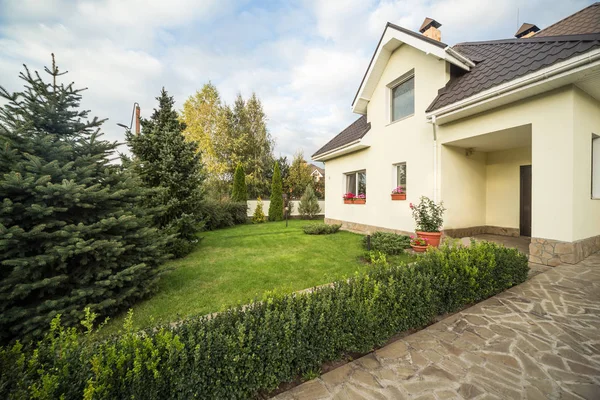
column 464, row 188
column 586, row 211
column 503, row 179
column 409, row 140
column 551, row 118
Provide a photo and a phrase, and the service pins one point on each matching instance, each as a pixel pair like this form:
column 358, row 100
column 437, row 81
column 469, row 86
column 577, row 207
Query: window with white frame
column 595, row 166
column 356, row 183
column 402, row 96
column 400, row 170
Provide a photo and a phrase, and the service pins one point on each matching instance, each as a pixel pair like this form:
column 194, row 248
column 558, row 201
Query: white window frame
column 595, row 166
column 395, row 175
column 390, row 96
column 346, row 174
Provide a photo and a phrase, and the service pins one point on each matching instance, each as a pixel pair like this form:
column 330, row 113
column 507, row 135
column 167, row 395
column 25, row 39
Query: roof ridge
column 567, row 17
column 559, row 38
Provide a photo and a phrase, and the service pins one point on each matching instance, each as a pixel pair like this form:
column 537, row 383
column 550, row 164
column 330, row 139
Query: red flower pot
column 398, row 196
column 418, row 249
column 433, row 238
column 355, row 201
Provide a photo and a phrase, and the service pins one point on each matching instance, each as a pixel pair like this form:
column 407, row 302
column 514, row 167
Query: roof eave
column 391, row 40
column 516, row 89
column 340, row 151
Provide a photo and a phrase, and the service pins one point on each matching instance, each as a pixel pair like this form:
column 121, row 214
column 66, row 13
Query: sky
column 304, row 59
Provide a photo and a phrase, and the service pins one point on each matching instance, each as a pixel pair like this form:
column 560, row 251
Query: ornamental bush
column 259, row 215
column 248, row 350
column 309, row 204
column 321, row 229
column 388, row 243
column 428, row 216
column 224, row 214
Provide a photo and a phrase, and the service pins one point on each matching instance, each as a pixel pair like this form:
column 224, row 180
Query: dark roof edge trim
column 562, row 38
column 401, row 29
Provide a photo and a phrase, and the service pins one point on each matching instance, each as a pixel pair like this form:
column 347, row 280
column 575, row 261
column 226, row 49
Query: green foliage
column 73, row 231
column 321, row 229
column 171, row 167
column 276, row 205
column 428, row 216
column 376, row 257
column 246, row 350
column 240, row 191
column 223, row 214
column 259, row 215
column 309, row 204
column 388, row 243
column 299, row 176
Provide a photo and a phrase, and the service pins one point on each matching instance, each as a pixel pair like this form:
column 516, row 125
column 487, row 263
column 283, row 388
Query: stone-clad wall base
column 554, row 252
column 364, row 229
column 480, row 230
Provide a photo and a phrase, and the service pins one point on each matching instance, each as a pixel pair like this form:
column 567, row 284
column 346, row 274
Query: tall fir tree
column 73, row 233
column 240, row 192
column 276, row 206
column 170, row 165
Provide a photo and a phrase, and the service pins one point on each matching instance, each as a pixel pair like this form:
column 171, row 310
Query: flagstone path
column 539, row 340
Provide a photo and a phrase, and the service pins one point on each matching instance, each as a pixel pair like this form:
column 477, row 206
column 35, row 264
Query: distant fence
column 252, row 206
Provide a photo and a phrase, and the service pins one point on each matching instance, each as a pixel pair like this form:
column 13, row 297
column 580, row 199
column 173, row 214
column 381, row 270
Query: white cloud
column 304, row 58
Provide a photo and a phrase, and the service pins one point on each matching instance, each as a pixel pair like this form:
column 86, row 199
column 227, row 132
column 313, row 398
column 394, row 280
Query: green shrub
column 246, row 350
column 224, row 214
column 321, row 229
column 309, row 204
column 239, row 194
column 259, row 215
column 276, row 204
column 388, row 243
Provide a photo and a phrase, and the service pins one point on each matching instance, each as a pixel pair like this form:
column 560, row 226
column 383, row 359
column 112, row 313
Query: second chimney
column 430, row 29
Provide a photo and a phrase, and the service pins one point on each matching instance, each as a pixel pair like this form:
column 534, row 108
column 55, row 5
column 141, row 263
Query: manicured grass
column 236, row 265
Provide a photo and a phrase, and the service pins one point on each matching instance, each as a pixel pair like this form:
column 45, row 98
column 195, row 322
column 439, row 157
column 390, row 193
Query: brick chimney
column 430, row 29
column 137, row 120
column 526, row 30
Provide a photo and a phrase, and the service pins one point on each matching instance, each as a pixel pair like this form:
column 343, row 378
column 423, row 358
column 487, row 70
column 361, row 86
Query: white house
column 506, row 133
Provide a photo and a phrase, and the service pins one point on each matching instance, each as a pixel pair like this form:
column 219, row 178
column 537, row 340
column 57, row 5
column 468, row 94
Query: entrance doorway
column 525, row 201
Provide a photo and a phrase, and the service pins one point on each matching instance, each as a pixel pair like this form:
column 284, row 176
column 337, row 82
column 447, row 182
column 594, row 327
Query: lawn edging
column 247, row 350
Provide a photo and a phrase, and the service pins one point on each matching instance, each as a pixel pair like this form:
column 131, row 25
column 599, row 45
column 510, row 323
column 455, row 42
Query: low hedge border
column 321, row 229
column 386, row 242
column 247, row 350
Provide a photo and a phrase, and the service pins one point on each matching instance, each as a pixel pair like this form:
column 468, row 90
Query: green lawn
column 238, row 264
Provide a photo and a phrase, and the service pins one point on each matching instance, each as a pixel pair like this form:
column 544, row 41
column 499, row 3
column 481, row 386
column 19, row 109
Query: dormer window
column 402, row 97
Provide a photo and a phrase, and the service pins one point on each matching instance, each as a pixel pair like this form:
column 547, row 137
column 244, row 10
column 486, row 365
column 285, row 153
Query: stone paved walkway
column 540, row 340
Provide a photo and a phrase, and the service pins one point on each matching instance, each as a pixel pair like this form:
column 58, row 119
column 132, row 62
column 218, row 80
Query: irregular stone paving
column 539, row 340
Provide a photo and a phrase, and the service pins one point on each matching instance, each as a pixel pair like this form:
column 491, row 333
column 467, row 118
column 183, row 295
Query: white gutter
column 544, row 74
column 336, row 150
column 459, row 56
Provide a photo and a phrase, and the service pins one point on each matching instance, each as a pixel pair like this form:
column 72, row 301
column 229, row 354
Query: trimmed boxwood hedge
column 321, row 229
column 243, row 351
column 388, row 243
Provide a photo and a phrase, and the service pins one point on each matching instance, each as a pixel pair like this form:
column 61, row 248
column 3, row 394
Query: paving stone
column 416, row 387
column 338, row 375
column 587, row 391
column 553, row 361
column 446, row 394
column 365, row 378
column 533, row 393
column 314, row 389
column 438, row 373
column 579, row 368
column 469, row 391
column 397, row 349
column 369, row 361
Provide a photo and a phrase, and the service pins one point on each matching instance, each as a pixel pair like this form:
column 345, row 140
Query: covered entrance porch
column 486, row 184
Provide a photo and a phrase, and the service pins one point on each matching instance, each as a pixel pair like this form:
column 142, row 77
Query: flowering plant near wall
column 428, row 215
column 349, row 196
column 398, row 190
column 361, row 196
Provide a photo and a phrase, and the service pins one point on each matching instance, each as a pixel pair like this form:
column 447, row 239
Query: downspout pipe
column 435, row 159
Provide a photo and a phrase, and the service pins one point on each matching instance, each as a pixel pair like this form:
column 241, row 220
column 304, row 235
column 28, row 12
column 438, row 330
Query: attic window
column 402, row 97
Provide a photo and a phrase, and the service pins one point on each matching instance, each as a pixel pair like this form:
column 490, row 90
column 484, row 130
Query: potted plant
column 418, row 244
column 399, row 193
column 351, row 198
column 429, row 219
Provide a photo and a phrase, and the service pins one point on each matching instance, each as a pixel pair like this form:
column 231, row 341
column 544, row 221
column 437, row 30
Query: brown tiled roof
column 584, row 21
column 355, row 131
column 500, row 61
column 314, row 168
